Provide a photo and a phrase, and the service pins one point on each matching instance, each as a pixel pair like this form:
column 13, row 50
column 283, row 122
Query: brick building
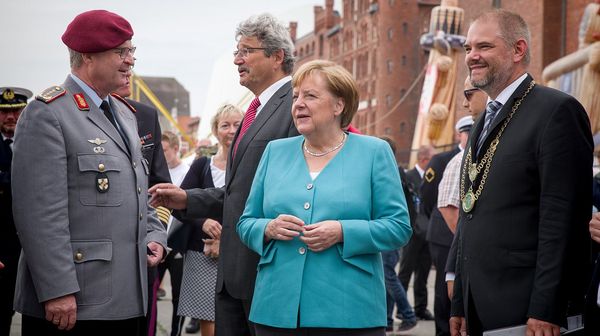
column 378, row 42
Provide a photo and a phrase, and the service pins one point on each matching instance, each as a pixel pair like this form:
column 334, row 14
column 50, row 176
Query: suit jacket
column 342, row 286
column 525, row 244
column 77, row 238
column 437, row 231
column 150, row 137
column 237, row 263
column 9, row 242
column 418, row 219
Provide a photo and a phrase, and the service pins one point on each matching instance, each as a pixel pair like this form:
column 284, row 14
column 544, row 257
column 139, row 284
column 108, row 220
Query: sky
column 190, row 40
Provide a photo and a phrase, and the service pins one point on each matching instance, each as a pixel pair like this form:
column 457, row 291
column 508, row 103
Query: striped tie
column 490, row 113
column 248, row 119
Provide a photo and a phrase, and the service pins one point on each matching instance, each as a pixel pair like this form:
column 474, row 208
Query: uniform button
column 309, row 186
column 101, row 167
column 306, row 206
column 134, row 165
column 78, row 256
column 139, row 190
column 141, row 216
column 301, row 250
column 469, row 216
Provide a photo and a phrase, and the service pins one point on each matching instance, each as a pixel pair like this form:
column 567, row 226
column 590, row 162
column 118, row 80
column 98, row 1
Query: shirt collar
column 509, row 90
column 266, row 95
column 88, row 91
column 419, row 170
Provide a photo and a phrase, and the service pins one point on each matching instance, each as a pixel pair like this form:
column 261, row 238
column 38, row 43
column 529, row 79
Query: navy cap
column 14, row 97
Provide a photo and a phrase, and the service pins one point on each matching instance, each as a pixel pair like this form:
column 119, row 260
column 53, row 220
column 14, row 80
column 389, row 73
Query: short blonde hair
column 339, row 82
column 223, row 111
column 171, row 138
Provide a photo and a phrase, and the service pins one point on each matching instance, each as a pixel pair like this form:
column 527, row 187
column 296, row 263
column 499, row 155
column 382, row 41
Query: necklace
column 472, row 169
column 327, row 151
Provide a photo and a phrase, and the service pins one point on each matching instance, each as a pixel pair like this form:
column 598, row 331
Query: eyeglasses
column 123, row 52
column 469, row 93
column 245, row 51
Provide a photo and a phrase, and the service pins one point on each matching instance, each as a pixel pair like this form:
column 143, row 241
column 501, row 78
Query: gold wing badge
column 98, row 149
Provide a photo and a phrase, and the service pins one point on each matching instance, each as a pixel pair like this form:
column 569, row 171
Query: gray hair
column 272, row 34
column 75, row 59
column 512, row 28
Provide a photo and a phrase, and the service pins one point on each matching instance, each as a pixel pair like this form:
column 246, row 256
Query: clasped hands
column 317, row 237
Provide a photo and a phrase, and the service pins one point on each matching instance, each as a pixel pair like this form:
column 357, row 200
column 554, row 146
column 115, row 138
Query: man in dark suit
column 415, row 255
column 12, row 101
column 524, row 242
column 264, row 60
column 438, row 236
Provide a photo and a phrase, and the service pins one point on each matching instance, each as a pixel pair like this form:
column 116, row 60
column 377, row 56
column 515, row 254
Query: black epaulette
column 122, row 100
column 50, row 94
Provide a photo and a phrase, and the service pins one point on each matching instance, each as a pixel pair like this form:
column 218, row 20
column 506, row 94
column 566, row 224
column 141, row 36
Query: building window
column 321, row 45
column 403, row 60
column 405, row 28
column 390, row 34
column 496, row 4
column 313, row 47
column 388, row 101
column 390, row 66
column 391, row 2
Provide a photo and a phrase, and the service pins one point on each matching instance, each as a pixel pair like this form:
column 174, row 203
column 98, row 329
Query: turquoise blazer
column 343, row 286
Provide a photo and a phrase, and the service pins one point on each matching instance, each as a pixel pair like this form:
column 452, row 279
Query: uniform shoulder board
column 51, row 94
column 122, row 100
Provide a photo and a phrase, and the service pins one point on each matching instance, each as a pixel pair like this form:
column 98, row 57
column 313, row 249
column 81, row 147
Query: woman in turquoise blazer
column 321, row 208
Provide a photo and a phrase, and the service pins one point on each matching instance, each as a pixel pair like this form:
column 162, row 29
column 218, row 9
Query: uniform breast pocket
column 99, row 180
column 93, row 266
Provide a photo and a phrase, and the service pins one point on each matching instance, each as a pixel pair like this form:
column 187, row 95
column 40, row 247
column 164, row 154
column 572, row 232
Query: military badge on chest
column 102, row 183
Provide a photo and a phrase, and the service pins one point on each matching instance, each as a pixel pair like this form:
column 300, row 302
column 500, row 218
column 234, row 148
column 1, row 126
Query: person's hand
column 168, row 195
column 322, row 235
column 541, row 328
column 458, row 326
column 212, row 228
column 450, row 284
column 284, row 227
column 62, row 311
column 157, row 254
column 595, row 227
column 1, row 265
column 211, row 247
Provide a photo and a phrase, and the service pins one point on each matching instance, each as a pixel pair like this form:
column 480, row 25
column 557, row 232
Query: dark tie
column 8, row 141
column 111, row 117
column 490, row 113
column 248, row 120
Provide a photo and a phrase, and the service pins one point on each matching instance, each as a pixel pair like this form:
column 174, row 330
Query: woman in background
column 322, row 207
column 197, row 297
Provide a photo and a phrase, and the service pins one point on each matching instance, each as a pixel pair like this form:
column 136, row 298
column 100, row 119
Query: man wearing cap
column 12, row 102
column 82, row 210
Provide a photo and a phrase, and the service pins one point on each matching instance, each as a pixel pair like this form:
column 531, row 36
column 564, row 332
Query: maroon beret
column 97, row 31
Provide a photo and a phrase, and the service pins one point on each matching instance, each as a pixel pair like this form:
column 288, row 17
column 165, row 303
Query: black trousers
column 592, row 311
column 441, row 302
column 8, row 276
column 263, row 330
column 33, row 326
column 416, row 259
column 175, row 267
column 231, row 315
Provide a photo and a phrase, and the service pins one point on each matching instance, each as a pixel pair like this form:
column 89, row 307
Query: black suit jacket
column 9, row 242
column 150, row 136
column 438, row 231
column 237, row 263
column 524, row 248
column 418, row 219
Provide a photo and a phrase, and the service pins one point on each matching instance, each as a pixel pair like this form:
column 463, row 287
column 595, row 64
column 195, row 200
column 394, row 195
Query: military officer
column 12, row 102
column 82, row 210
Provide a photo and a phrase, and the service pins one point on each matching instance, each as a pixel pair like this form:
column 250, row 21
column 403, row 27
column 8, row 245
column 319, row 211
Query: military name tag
column 102, row 184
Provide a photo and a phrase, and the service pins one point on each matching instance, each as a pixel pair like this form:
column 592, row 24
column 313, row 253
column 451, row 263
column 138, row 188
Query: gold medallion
column 472, row 172
column 468, row 201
